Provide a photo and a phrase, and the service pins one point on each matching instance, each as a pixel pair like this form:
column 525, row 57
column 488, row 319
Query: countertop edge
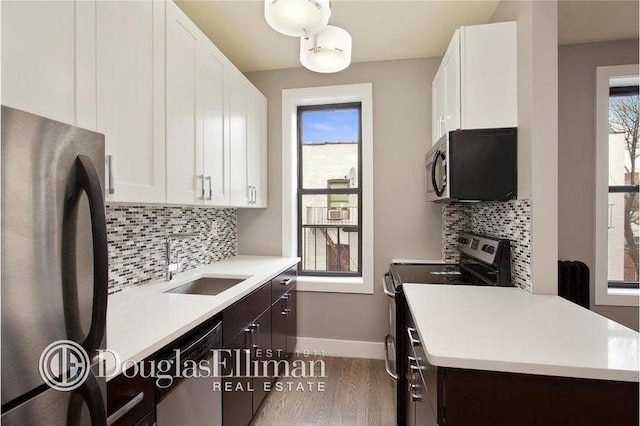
column 161, row 343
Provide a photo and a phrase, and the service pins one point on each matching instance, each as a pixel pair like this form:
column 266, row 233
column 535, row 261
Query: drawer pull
column 125, row 409
column 286, row 281
column 414, row 341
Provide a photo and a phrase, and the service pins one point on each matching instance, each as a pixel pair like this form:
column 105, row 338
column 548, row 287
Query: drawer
column 129, row 400
column 239, row 315
column 283, row 283
column 428, row 372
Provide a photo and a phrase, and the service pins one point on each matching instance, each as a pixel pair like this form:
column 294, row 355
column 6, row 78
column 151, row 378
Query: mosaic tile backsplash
column 511, row 219
column 137, row 240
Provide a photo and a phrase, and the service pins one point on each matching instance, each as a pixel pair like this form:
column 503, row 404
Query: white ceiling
column 391, row 29
column 381, row 30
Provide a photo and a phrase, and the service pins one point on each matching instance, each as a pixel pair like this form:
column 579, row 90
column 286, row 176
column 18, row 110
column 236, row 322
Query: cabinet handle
column 286, row 281
column 201, row 179
column 286, row 310
column 414, row 341
column 208, row 178
column 110, row 188
column 248, row 334
column 255, row 327
column 255, row 195
column 125, row 409
column 249, row 194
column 413, row 369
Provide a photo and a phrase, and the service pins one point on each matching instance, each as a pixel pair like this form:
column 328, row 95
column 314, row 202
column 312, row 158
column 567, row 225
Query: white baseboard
column 341, row 348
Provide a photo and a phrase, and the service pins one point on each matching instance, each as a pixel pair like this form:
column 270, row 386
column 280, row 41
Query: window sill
column 356, row 285
column 619, row 297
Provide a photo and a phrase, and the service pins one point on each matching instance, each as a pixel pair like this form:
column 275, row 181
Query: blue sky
column 330, row 126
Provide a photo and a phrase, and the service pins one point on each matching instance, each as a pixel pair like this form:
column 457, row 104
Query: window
column 622, row 226
column 329, row 190
column 347, row 195
column 616, row 186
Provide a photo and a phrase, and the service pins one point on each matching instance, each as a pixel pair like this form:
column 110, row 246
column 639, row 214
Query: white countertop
column 144, row 318
column 510, row 330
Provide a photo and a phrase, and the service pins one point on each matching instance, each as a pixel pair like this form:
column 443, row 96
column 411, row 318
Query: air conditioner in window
column 337, row 214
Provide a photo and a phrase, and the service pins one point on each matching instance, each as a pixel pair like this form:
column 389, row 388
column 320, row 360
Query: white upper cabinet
column 445, row 113
column 489, row 77
column 48, row 59
column 182, row 125
column 240, row 191
column 185, row 179
column 248, row 143
column 215, row 141
column 476, row 84
column 257, row 147
column 130, row 89
column 197, row 141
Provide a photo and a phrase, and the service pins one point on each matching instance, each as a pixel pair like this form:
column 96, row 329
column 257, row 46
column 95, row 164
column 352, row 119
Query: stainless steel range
column 484, row 261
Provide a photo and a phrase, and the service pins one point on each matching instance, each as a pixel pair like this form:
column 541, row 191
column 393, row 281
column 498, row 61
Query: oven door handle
column 387, row 363
column 385, row 286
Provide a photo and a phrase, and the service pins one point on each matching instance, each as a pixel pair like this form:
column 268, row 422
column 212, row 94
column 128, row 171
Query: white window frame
column 291, row 100
column 603, row 294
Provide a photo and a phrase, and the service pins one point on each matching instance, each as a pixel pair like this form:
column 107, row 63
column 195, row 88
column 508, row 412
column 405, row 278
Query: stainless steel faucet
column 173, row 267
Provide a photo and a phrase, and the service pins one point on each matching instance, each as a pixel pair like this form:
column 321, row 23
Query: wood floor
column 356, row 392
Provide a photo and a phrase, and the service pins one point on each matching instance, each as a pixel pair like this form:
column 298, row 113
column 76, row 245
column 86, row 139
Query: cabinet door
column 48, row 59
column 292, row 321
column 489, row 64
column 238, row 139
column 257, row 147
column 261, row 346
column 451, row 64
column 237, row 404
column 437, row 105
column 215, row 148
column 130, row 86
column 279, row 317
column 184, row 172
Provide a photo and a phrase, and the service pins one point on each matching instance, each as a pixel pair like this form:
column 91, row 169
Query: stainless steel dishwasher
column 192, row 400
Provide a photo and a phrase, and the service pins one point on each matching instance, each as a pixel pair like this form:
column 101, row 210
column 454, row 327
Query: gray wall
column 405, row 225
column 537, row 130
column 576, row 153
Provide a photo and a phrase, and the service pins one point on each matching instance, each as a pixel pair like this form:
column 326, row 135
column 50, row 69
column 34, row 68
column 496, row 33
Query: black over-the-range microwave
column 473, row 165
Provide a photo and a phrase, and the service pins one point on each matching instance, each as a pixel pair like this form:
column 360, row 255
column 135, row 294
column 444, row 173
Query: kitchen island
column 491, row 355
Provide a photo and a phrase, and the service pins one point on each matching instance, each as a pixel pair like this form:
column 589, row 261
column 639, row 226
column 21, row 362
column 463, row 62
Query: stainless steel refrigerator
column 54, row 271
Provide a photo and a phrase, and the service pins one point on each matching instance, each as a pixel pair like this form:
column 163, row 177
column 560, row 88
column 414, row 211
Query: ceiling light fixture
column 297, row 18
column 326, row 52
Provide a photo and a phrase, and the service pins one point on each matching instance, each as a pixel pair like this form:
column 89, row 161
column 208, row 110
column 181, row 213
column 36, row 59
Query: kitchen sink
column 209, row 286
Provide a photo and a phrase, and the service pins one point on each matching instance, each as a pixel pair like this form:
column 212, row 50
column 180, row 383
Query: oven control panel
column 479, row 247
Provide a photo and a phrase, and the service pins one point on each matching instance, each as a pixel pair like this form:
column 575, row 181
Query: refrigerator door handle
column 92, row 397
column 85, row 178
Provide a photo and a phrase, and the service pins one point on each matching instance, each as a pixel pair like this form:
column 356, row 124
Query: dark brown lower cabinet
column 237, row 398
column 492, row 398
column 279, row 318
column 261, row 354
column 462, row 397
column 292, row 318
column 130, row 401
column 268, row 337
